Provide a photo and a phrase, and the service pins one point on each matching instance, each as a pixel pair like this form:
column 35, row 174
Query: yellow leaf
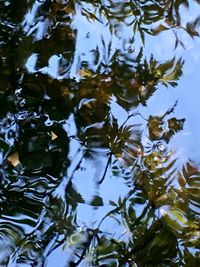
column 53, row 136
column 14, row 159
column 85, row 73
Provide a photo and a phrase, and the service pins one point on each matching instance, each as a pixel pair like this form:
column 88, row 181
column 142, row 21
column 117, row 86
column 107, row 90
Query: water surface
column 99, row 133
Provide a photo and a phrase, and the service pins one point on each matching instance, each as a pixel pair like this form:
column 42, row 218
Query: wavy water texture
column 91, row 168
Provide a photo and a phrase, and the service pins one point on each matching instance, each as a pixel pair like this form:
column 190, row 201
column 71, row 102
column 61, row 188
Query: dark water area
column 99, row 133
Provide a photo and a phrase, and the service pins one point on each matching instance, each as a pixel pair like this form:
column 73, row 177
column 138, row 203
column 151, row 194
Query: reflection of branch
column 55, row 245
column 106, row 168
column 77, row 167
column 170, row 110
column 141, row 116
column 67, row 179
column 118, row 208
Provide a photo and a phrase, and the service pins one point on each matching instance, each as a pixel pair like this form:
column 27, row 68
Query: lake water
column 99, row 133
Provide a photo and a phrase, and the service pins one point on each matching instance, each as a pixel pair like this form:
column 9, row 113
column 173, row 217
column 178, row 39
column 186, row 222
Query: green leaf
column 112, row 203
column 97, row 201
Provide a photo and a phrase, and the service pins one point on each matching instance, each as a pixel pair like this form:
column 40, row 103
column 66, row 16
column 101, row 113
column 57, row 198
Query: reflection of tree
column 38, row 197
column 166, row 236
column 151, row 17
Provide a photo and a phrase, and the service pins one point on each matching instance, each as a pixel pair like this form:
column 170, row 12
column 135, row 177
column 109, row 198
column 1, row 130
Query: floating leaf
column 85, row 73
column 53, row 136
column 14, row 159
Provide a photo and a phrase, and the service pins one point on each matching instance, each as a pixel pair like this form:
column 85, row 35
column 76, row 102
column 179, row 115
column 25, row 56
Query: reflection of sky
column 187, row 143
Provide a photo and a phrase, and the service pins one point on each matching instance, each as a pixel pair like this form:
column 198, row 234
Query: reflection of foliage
column 141, row 77
column 39, row 198
column 165, row 236
column 160, row 128
column 152, row 17
column 170, row 72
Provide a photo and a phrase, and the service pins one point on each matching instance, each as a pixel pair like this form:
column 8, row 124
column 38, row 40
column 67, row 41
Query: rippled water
column 99, row 133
